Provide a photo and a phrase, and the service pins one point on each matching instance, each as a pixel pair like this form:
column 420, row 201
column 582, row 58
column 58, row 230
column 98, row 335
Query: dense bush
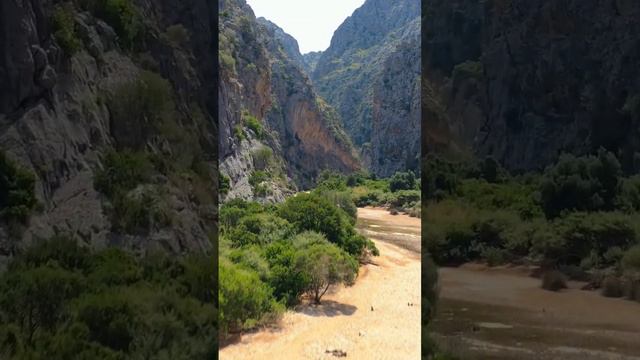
column 402, row 181
column 140, row 107
column 612, row 287
column 122, row 172
column 133, row 209
column 280, row 253
column 315, row 213
column 253, row 124
column 631, row 259
column 245, row 301
column 123, row 16
column 554, row 281
column 177, row 35
column 588, row 183
column 59, row 300
column 65, row 29
column 224, row 184
column 263, row 158
column 17, row 191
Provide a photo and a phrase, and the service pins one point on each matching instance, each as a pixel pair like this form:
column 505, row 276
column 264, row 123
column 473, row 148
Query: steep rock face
column 352, row 74
column 311, row 61
column 396, row 112
column 261, row 81
column 54, row 121
column 526, row 80
column 287, row 43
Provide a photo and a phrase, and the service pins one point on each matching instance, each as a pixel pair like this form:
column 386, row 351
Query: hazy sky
column 311, row 22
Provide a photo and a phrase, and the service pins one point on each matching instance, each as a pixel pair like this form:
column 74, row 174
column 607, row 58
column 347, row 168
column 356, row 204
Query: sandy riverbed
column 344, row 320
column 504, row 314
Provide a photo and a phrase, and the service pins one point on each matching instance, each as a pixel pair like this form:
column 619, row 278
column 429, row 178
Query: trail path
column 345, row 321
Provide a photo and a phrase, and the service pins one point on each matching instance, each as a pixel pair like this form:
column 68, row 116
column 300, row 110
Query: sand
column 344, row 321
column 504, row 314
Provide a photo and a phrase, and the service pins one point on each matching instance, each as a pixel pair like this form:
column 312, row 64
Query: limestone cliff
column 526, row 80
column 371, row 75
column 68, row 75
column 276, row 133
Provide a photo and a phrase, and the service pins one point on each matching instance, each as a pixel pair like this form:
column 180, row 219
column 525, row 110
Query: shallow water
column 504, row 314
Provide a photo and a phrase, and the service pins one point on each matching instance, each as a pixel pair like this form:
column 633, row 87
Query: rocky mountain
column 276, row 133
column 526, row 80
column 311, row 61
column 107, row 131
column 371, row 75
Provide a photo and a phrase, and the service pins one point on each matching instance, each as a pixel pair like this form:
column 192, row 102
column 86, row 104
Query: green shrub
column 124, row 17
column 138, row 213
column 140, row 107
column 495, row 256
column 227, row 60
column 629, row 197
column 122, row 172
column 261, row 228
column 331, row 181
column 64, row 28
column 287, row 282
column 369, row 198
column 581, row 184
column 238, row 132
column 258, row 177
column 612, row 287
column 343, row 200
column 224, row 184
column 253, row 124
column 631, row 259
column 584, row 234
column 403, row 199
column 263, row 158
column 632, row 288
column 315, row 213
column 17, row 191
column 554, row 281
column 245, row 301
column 177, row 35
column 402, row 181
column 467, row 70
column 61, row 301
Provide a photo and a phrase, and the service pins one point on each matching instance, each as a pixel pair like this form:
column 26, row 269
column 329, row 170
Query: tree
column 581, row 184
column 244, row 299
column 310, row 212
column 402, row 181
column 490, row 169
column 325, row 265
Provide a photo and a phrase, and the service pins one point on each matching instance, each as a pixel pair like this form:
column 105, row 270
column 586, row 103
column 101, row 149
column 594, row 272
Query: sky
column 311, row 22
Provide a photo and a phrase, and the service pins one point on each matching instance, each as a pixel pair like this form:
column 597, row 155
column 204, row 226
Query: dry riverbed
column 504, row 314
column 344, row 321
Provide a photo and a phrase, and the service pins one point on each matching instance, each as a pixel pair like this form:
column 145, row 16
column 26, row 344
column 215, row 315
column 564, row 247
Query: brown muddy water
column 502, row 313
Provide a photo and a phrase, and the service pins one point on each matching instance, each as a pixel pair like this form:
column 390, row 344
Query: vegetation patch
column 123, row 16
column 274, row 256
column 17, row 191
column 59, row 300
column 64, row 27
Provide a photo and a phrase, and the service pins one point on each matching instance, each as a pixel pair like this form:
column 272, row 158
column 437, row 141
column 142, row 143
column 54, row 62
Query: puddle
column 494, row 325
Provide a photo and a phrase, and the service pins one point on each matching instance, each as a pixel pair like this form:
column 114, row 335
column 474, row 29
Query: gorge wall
column 524, row 80
column 276, row 134
column 371, row 75
column 77, row 90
